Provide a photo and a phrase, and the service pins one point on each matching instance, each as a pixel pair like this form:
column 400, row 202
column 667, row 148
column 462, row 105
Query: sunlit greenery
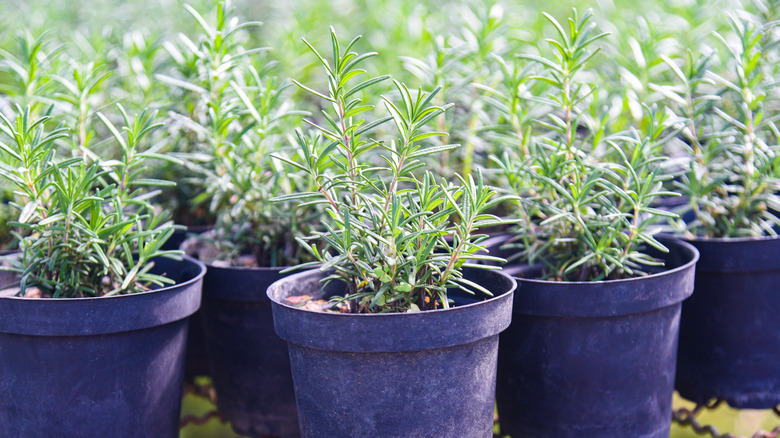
column 590, row 125
column 90, row 228
column 398, row 237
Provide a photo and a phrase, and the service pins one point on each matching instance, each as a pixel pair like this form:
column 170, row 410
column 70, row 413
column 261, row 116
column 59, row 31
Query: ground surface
column 725, row 419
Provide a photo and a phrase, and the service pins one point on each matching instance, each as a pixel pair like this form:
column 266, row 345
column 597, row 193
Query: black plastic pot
column 180, row 235
column 97, row 367
column 425, row 374
column 594, row 359
column 250, row 365
column 730, row 329
column 175, row 240
column 196, row 363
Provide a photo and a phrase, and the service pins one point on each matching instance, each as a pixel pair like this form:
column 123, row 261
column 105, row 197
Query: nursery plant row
column 566, row 220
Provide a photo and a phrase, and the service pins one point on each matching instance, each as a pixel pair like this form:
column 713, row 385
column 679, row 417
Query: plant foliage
column 398, row 240
column 91, row 229
column 239, row 113
column 732, row 175
column 585, row 197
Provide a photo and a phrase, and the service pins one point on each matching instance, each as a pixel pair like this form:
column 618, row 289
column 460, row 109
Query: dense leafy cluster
column 731, row 174
column 234, row 113
column 585, row 197
column 576, row 133
column 589, row 135
column 397, row 240
column 91, row 229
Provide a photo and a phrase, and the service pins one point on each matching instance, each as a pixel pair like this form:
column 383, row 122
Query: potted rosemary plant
column 729, row 330
column 7, row 213
column 396, row 333
column 93, row 319
column 242, row 117
column 592, row 346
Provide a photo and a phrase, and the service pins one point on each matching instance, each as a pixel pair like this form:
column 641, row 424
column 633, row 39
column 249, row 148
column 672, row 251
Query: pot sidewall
column 393, row 389
column 103, row 380
column 730, row 330
column 249, row 364
column 570, row 364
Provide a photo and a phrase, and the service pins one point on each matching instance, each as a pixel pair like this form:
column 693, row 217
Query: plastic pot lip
column 245, row 269
column 687, row 246
column 195, row 279
column 67, row 317
column 390, row 332
column 239, row 284
column 726, row 240
column 611, row 298
column 733, row 255
column 311, row 272
column 241, row 269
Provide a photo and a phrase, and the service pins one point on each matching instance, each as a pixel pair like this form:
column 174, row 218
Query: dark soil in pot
column 97, row 367
column 730, row 328
column 250, row 365
column 394, row 375
column 594, row 359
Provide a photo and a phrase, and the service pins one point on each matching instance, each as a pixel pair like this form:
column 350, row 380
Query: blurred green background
column 394, row 28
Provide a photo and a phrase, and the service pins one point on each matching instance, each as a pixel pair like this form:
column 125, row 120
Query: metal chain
column 201, row 420
column 203, row 391
column 687, row 417
column 683, row 416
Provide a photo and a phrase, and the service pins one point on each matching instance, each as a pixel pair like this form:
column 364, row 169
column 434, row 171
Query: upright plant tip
column 90, row 229
column 396, row 239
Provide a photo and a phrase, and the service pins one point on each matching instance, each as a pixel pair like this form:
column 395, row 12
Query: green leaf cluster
column 91, row 229
column 585, row 195
column 731, row 169
column 397, row 236
column 235, row 112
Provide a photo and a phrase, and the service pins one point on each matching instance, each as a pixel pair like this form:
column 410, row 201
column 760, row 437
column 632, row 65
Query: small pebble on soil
column 307, row 302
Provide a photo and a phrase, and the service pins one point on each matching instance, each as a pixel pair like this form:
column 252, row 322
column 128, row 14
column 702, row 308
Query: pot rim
column 91, row 316
column 391, row 332
column 240, row 284
column 737, row 254
column 295, row 277
column 725, row 240
column 195, row 279
column 665, row 272
column 612, row 298
column 212, row 267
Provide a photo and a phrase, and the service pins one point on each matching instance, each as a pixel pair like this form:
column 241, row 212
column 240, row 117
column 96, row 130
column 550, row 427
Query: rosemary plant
column 241, row 109
column 25, row 71
column 732, row 177
column 7, row 214
column 202, row 114
column 139, row 57
column 398, row 240
column 92, row 230
column 82, row 95
column 457, row 58
column 584, row 196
